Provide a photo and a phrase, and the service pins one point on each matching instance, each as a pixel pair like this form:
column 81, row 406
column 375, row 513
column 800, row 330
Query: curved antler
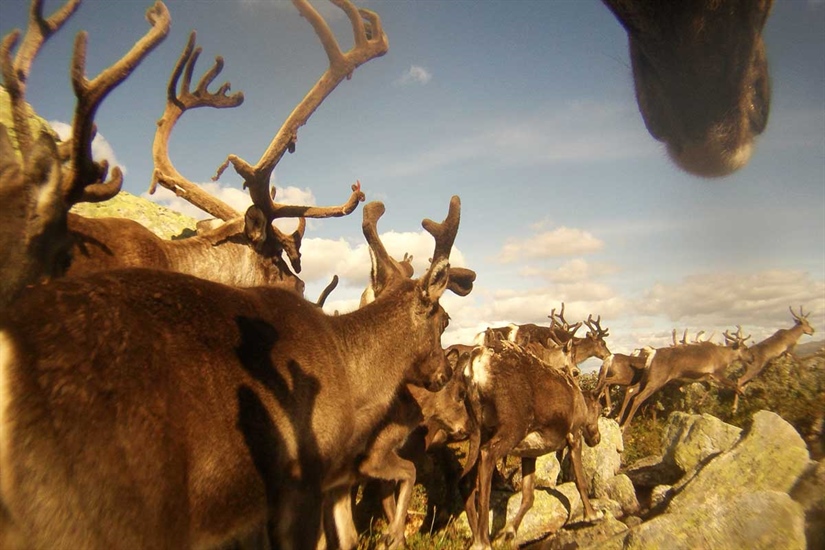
column 369, row 42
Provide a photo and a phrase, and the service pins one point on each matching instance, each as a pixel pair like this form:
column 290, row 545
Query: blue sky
column 525, row 109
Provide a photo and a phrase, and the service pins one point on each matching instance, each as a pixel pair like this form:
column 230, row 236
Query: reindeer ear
column 435, row 281
column 452, row 358
column 255, row 226
column 43, row 170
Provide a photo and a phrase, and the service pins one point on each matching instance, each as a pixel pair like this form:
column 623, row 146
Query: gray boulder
column 691, row 439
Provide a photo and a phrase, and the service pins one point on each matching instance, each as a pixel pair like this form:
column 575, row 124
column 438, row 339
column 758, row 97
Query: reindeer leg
column 638, row 399
column 468, row 485
column 338, row 511
column 487, row 462
column 391, row 467
column 574, row 442
column 528, row 482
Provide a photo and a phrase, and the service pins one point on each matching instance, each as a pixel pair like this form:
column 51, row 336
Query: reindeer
column 152, row 409
column 621, row 370
column 249, row 239
column 414, row 421
column 772, row 347
column 689, row 363
column 528, row 410
column 38, row 189
column 417, row 419
column 701, row 77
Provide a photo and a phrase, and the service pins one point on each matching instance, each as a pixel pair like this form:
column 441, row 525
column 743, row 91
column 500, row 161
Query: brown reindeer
column 701, row 77
column 416, row 419
column 528, row 410
column 151, row 409
column 618, row 369
column 772, row 347
column 249, row 240
column 689, row 363
column 38, row 189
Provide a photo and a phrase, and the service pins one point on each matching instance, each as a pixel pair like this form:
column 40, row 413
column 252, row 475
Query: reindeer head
column 596, row 335
column 446, row 409
column 736, row 342
column 389, row 280
column 802, row 320
column 33, row 236
column 701, row 77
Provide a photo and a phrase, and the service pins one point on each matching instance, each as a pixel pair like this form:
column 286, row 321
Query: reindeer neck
column 379, row 342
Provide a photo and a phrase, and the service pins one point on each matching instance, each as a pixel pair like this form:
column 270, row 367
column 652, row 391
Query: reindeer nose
column 438, row 382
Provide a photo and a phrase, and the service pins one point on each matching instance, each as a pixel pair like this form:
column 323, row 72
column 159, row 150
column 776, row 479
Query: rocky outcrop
column 716, row 486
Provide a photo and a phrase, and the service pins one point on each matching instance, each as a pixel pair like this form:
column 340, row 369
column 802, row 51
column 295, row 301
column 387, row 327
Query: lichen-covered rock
column 551, row 510
column 589, row 536
column 621, row 490
column 770, row 457
column 547, row 471
column 690, row 439
column 758, row 520
column 162, row 221
column 659, row 494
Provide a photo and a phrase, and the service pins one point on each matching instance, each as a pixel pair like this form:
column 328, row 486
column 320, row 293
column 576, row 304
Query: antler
column 165, row 172
column 16, row 72
column 563, row 324
column 595, row 327
column 801, row 315
column 86, row 181
column 370, row 42
column 736, row 337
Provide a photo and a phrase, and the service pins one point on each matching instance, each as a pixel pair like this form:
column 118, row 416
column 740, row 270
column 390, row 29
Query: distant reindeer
column 689, row 363
column 249, row 240
column 701, row 77
column 619, row 369
column 778, row 344
column 528, row 410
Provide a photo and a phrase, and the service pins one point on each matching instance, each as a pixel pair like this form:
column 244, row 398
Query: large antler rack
column 565, row 330
column 595, row 327
column 16, row 71
column 165, row 172
column 84, row 179
column 369, row 42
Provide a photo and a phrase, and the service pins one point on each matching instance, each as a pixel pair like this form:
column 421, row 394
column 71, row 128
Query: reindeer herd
column 185, row 394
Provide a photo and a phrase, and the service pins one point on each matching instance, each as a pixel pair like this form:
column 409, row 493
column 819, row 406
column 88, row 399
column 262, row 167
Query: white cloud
column 572, row 271
column 718, row 301
column 101, row 149
column 233, row 196
column 416, row 74
column 563, row 241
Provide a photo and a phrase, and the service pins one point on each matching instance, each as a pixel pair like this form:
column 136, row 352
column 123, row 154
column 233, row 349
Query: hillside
column 164, row 222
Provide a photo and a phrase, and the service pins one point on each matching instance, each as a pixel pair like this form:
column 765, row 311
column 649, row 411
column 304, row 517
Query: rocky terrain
column 715, row 486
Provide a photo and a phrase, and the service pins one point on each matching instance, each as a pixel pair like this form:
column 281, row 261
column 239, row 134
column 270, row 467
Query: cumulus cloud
column 233, row 196
column 759, row 301
column 562, row 241
column 351, row 262
column 416, row 74
column 571, row 271
column 101, row 149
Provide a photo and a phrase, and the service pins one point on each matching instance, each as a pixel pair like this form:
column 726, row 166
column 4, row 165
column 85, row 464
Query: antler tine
column 165, row 172
column 445, row 232
column 16, row 72
column 698, row 335
column 596, row 327
column 369, row 42
column 673, row 335
column 86, row 181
